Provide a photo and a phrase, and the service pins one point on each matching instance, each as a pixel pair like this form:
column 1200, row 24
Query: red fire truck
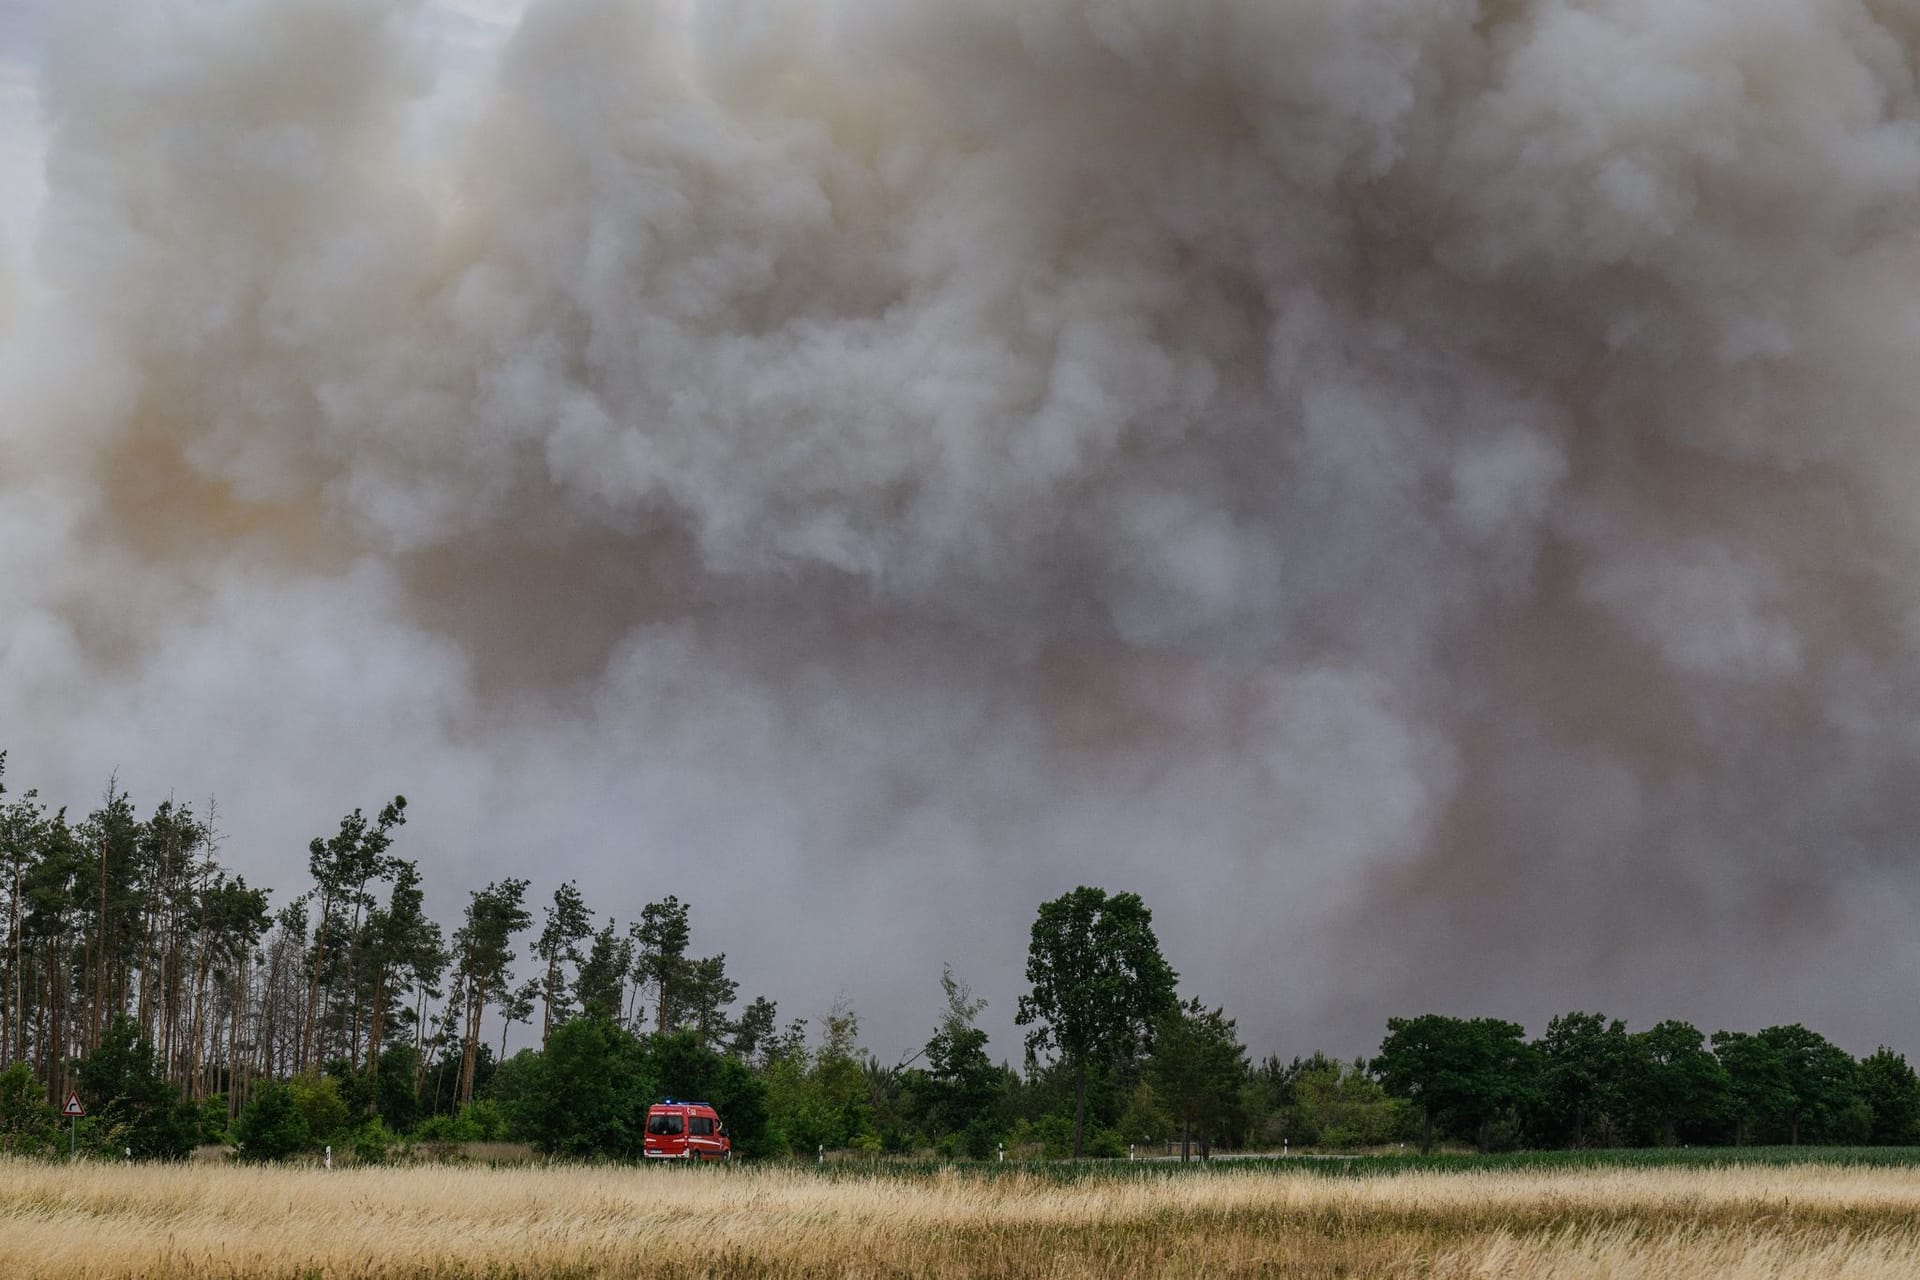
column 679, row 1130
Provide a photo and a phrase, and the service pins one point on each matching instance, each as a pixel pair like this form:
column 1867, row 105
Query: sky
column 1419, row 491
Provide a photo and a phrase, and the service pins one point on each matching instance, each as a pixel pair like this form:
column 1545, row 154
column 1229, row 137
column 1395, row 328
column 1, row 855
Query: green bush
column 446, row 1128
column 1144, row 1119
column 319, row 1100
column 1339, row 1106
column 211, row 1121
column 981, row 1139
column 29, row 1126
column 515, row 1089
column 127, row 1092
column 488, row 1120
column 476, row 1122
column 272, row 1127
column 1054, row 1133
column 394, row 1096
column 373, row 1142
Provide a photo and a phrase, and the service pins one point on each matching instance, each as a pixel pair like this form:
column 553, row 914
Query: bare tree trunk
column 353, row 977
column 236, row 1069
column 149, row 925
column 1079, row 1108
column 12, row 1047
column 95, row 1023
column 313, row 987
column 376, row 1020
column 546, row 1016
column 469, row 1059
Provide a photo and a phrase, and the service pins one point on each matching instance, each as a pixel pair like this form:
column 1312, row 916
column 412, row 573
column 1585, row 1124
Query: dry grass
column 105, row 1221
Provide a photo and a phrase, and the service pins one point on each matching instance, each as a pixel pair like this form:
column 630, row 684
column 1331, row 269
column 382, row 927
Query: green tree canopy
column 1788, row 1077
column 962, row 1084
column 1465, row 1070
column 601, row 978
column 1197, row 1069
column 1099, row 985
column 588, row 1095
column 568, row 924
column 1671, row 1079
column 1891, row 1091
column 483, row 952
column 660, row 939
column 1583, row 1069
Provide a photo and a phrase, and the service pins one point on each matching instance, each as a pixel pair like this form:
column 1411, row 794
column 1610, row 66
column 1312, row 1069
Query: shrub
column 446, row 1128
column 981, row 1139
column 394, row 1096
column 29, row 1126
column 127, row 1091
column 373, row 1142
column 476, row 1122
column 1054, row 1133
column 488, row 1120
column 272, row 1127
column 210, row 1122
column 319, row 1100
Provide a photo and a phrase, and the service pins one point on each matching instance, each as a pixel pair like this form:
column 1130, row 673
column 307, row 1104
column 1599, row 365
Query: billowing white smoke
column 1419, row 488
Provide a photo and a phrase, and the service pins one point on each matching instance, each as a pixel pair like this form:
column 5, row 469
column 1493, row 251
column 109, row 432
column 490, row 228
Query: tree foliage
column 1099, row 985
column 186, row 1005
column 1197, row 1069
column 1461, row 1072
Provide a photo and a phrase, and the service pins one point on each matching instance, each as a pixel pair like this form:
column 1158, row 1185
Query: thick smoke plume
column 1420, row 489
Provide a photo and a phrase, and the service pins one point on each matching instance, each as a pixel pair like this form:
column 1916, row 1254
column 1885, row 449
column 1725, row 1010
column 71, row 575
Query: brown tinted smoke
column 1422, row 490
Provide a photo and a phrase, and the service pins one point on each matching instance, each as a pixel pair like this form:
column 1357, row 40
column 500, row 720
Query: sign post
column 73, row 1111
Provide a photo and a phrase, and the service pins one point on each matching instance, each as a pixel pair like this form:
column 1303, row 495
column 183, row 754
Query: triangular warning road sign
column 73, row 1107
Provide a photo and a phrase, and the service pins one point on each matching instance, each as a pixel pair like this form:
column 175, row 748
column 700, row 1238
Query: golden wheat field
column 99, row 1221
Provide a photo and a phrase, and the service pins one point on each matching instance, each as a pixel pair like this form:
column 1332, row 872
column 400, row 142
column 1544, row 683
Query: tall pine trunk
column 1079, row 1108
column 377, row 1020
column 470, row 1057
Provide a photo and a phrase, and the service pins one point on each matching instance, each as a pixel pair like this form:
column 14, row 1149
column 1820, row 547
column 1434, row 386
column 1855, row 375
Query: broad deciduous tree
column 1464, row 1069
column 1099, row 984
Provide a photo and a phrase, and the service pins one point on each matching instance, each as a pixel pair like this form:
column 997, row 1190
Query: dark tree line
column 183, row 1007
column 1588, row 1081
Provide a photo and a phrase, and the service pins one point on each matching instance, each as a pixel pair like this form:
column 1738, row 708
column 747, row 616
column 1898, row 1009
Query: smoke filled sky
column 1421, row 490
